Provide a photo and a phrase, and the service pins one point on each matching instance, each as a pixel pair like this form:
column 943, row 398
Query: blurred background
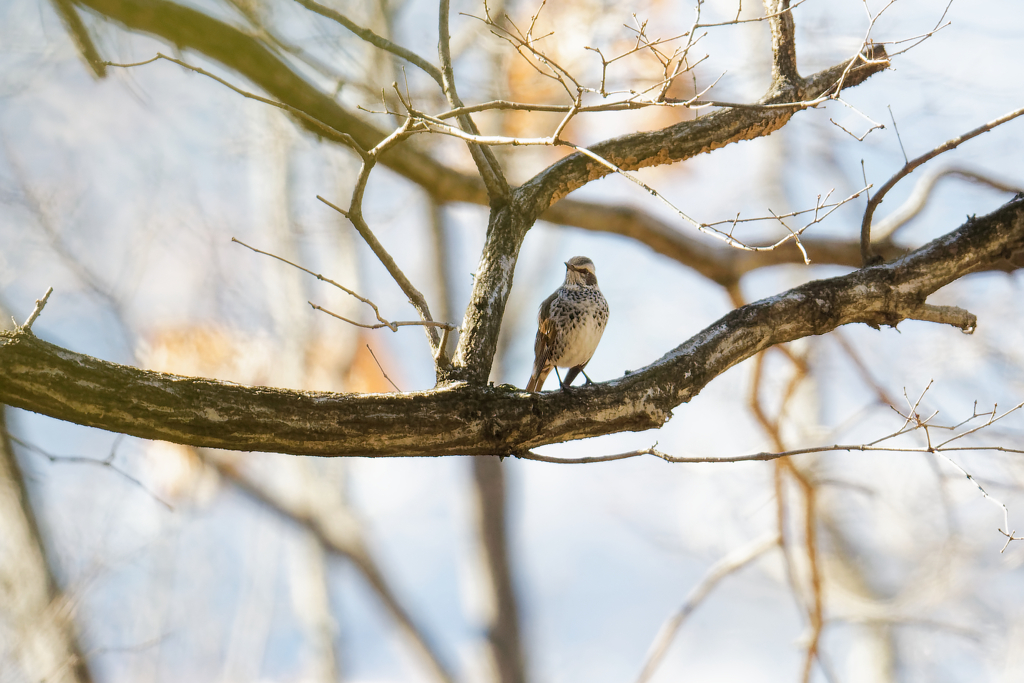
column 122, row 188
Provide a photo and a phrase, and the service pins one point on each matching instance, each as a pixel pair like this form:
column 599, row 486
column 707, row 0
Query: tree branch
column 908, row 168
column 374, row 39
column 245, row 54
column 687, row 139
column 486, row 162
column 322, row 512
column 476, row 419
column 786, row 82
column 80, row 34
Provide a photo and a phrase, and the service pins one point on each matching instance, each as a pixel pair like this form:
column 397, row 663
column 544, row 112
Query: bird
column 569, row 325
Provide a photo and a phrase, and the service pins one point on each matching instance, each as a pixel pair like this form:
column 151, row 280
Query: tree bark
column 460, row 418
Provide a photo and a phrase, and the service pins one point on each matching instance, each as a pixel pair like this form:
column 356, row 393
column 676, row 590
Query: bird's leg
column 570, row 375
column 559, row 376
column 585, row 375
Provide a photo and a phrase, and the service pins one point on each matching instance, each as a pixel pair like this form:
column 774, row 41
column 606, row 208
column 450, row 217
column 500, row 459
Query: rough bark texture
column 688, row 138
column 511, row 219
column 476, row 420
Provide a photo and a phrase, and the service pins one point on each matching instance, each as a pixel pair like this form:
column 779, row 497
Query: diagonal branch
column 909, row 167
column 374, row 39
column 248, row 56
column 355, row 216
column 486, row 162
column 80, row 34
column 731, row 563
column 335, row 527
column 477, row 419
column 687, row 139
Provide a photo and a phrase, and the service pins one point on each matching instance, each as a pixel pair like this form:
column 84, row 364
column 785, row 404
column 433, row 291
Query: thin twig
column 381, row 368
column 486, row 162
column 320, row 277
column 729, row 564
column 391, row 325
column 374, row 39
column 107, row 462
column 354, row 214
column 40, row 304
column 865, row 226
column 898, row 137
column 329, row 132
column 888, row 226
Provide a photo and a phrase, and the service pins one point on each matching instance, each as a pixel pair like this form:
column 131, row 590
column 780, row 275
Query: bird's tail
column 537, row 378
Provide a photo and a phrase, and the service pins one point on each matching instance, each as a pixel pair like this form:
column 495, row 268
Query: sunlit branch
column 355, row 216
column 391, row 325
column 487, row 164
column 36, row 310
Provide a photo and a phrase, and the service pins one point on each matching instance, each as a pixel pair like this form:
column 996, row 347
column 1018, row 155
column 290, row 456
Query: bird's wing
column 546, row 332
column 545, row 341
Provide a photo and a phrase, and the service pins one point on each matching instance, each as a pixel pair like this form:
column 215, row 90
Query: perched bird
column 570, row 324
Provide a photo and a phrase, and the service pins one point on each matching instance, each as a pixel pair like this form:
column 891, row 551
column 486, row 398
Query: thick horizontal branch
column 464, row 419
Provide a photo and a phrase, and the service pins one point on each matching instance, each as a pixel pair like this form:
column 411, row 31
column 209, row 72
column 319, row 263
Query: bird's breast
column 580, row 320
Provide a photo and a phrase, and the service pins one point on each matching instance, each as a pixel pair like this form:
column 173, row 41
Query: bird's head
column 579, row 270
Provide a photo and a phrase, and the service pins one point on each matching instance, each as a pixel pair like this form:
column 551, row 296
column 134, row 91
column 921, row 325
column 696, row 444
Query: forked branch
column 910, row 167
column 476, row 419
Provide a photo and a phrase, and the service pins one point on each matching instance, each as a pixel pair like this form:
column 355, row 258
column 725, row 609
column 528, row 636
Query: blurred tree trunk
column 36, row 628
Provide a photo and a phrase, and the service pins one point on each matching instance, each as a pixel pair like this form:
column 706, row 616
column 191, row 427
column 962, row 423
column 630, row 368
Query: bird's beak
column 568, row 266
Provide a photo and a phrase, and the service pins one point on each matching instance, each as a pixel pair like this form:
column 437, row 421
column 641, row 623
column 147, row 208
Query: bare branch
column 731, row 563
column 947, row 315
column 80, row 34
column 374, row 39
column 40, row 304
column 865, row 226
column 318, row 276
column 888, row 226
column 460, row 418
column 107, row 462
column 391, row 325
column 764, row 17
column 785, row 78
column 321, row 127
column 354, row 214
column 486, row 162
column 381, row 367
